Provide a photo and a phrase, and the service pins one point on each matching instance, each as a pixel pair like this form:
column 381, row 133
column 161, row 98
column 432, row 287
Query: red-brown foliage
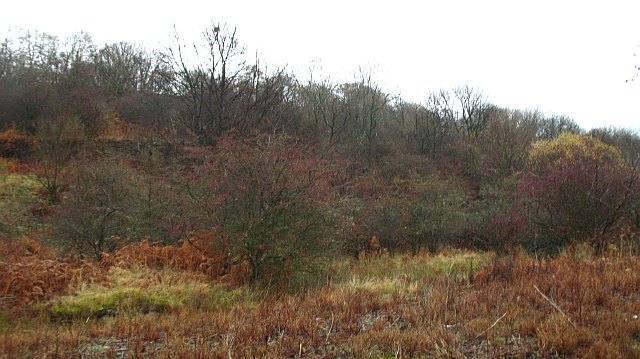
column 15, row 166
column 198, row 254
column 32, row 273
column 14, row 143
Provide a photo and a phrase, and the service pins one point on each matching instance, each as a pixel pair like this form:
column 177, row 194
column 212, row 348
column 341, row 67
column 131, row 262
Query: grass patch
column 404, row 275
column 386, row 274
column 143, row 290
column 18, row 192
column 414, row 268
column 4, row 319
column 100, row 304
column 18, row 187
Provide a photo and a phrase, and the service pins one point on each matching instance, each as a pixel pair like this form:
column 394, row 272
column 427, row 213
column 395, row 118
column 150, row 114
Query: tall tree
column 472, row 119
column 123, row 67
column 207, row 86
column 324, row 109
column 366, row 110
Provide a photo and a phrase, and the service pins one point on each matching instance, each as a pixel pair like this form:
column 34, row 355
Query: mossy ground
column 140, row 291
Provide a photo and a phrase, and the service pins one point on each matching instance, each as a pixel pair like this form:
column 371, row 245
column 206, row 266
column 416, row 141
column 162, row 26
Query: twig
column 492, row 325
column 330, row 328
column 555, row 306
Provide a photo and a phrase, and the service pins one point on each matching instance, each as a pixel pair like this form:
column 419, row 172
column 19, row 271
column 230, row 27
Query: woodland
column 191, row 202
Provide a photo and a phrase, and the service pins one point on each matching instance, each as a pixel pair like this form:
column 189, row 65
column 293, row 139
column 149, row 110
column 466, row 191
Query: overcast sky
column 562, row 57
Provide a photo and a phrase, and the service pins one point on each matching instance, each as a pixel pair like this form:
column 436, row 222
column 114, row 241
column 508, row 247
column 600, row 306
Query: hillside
column 156, row 206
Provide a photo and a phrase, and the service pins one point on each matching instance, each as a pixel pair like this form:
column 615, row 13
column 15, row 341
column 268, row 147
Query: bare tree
column 6, row 59
column 37, row 56
column 265, row 101
column 366, row 107
column 43, row 77
column 506, row 143
column 626, row 140
column 76, row 60
column 207, row 86
column 472, row 118
column 439, row 121
column 551, row 127
column 124, row 67
column 56, row 141
column 324, row 108
column 427, row 130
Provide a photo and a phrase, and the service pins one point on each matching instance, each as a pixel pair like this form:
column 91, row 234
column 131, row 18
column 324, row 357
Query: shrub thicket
column 578, row 189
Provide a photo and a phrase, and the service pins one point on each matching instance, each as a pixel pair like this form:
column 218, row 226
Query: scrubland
column 153, row 206
column 454, row 304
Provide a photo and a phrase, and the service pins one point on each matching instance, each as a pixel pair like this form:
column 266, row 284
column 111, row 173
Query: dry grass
column 403, row 307
column 202, row 253
column 31, row 273
column 187, row 257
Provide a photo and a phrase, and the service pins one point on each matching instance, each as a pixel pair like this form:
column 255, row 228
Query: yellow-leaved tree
column 577, row 189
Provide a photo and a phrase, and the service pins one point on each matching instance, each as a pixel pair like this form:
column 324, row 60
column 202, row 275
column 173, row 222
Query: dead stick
column 555, row 306
column 492, row 325
column 330, row 328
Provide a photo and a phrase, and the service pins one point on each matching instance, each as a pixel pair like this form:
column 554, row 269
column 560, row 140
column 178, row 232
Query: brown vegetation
column 32, row 273
column 193, row 255
column 400, row 307
column 154, row 207
column 14, row 143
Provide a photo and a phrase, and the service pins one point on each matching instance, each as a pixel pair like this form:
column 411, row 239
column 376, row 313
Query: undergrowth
column 422, row 306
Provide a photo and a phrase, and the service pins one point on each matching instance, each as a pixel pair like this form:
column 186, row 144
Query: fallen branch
column 492, row 325
column 555, row 306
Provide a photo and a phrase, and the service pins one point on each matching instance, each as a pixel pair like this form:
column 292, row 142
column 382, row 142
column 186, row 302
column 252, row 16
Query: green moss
column 130, row 300
column 143, row 290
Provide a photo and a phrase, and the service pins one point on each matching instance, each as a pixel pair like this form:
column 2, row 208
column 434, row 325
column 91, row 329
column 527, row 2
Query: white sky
column 562, row 57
